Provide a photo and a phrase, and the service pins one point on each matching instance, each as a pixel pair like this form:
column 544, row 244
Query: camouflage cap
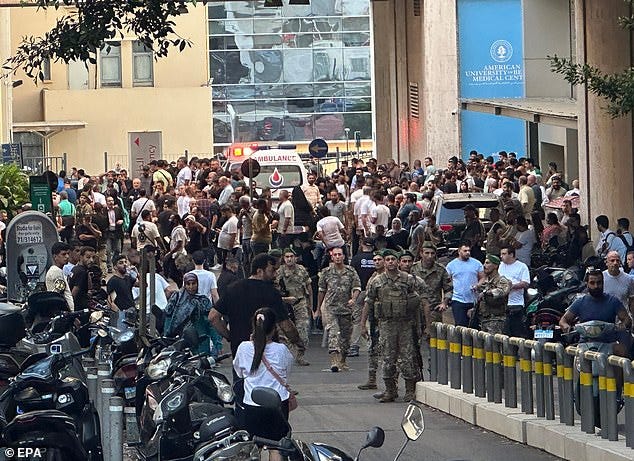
column 430, row 245
column 285, row 251
column 388, row 252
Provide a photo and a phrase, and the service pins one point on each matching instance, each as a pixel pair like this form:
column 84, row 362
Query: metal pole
column 107, row 391
column 91, row 382
column 489, row 371
column 549, row 395
column 611, row 413
column 467, row 360
column 539, row 379
column 628, row 395
column 116, row 429
column 152, row 274
column 498, row 370
column 442, row 353
column 454, row 357
column 510, row 374
column 603, row 393
column 338, row 157
column 478, row 364
column 526, row 377
column 143, row 295
column 105, row 161
column 64, row 160
column 433, row 358
column 586, row 397
column 568, row 394
column 559, row 356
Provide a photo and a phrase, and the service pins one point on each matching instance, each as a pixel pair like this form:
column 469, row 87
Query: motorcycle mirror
column 375, row 438
column 413, row 423
column 96, row 316
column 266, row 397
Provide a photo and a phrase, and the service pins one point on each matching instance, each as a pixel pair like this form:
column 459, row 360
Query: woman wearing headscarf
column 397, row 236
column 187, row 306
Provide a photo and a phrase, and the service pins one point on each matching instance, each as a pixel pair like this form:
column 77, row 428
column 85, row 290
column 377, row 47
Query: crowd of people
column 354, row 251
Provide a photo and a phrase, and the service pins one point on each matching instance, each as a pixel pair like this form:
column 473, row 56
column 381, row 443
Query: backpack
column 628, row 247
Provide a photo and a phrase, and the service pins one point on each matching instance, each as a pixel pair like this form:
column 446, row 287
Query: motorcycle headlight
column 159, row 369
column 126, row 336
column 225, row 392
column 158, row 415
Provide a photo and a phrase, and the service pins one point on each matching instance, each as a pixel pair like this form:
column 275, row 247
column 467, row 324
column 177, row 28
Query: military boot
column 371, row 384
column 335, row 357
column 343, row 366
column 391, row 391
column 300, row 360
column 410, row 390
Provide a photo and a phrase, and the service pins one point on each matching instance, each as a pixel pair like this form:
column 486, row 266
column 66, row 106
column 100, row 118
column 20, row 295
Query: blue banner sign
column 491, row 55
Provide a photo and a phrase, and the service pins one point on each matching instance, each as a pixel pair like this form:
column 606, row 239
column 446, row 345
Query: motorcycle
column 237, row 445
column 46, row 407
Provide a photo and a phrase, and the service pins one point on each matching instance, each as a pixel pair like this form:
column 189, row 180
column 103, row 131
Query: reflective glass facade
column 292, row 73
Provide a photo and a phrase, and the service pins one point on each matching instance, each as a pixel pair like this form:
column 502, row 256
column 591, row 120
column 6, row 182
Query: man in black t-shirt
column 197, row 231
column 363, row 261
column 119, row 287
column 244, row 297
column 80, row 282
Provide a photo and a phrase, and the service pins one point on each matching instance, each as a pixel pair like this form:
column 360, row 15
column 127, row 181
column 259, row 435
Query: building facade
column 128, row 104
column 291, row 73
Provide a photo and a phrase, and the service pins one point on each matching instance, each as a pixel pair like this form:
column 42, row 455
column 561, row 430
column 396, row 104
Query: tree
column 14, row 188
column 85, row 28
column 617, row 89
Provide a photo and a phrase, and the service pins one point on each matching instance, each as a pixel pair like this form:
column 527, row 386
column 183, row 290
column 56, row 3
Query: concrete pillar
column 605, row 145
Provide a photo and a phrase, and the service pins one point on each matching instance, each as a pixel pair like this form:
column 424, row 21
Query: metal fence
column 38, row 165
column 487, row 365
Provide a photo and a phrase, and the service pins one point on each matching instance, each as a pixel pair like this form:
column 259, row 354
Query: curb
column 567, row 442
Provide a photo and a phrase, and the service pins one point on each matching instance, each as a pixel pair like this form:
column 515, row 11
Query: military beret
column 388, row 252
column 288, row 250
column 276, row 253
column 406, row 253
column 493, row 259
column 379, row 253
column 428, row 244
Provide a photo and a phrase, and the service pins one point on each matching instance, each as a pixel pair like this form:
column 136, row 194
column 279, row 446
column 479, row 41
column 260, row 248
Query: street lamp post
column 347, row 130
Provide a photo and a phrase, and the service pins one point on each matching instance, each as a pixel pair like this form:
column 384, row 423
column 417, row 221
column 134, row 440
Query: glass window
column 356, row 63
column 356, row 39
column 239, row 26
column 240, row 91
column 267, row 66
column 110, row 63
column 359, row 122
column 142, row 65
column 329, row 126
column 298, row 128
column 356, row 24
column 239, row 9
column 356, row 8
column 217, row 28
column 300, row 105
column 358, row 89
column 326, row 8
column 298, row 91
column 266, row 41
column 267, row 26
column 327, row 64
column 298, row 66
column 46, row 69
column 328, row 89
column 270, row 91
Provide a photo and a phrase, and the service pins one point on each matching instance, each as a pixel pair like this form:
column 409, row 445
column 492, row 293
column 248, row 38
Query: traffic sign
column 41, row 197
column 11, row 153
column 318, row 148
column 250, row 168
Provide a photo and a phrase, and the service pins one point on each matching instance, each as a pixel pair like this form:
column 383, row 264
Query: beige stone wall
column 5, row 51
column 178, row 105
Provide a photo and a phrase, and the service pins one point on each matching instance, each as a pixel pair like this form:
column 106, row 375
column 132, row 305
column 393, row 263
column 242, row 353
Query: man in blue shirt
column 597, row 305
column 465, row 272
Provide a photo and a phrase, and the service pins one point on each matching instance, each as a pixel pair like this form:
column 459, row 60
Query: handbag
column 292, row 399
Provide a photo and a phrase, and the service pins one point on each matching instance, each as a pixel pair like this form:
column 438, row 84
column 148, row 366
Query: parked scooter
column 238, row 444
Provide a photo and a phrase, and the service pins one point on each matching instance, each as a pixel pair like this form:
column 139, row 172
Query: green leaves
column 84, row 29
column 14, row 188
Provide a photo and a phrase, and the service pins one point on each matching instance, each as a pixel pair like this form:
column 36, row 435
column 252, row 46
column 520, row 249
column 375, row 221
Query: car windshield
column 454, row 212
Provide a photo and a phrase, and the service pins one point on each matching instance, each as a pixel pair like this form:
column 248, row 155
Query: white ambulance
column 281, row 168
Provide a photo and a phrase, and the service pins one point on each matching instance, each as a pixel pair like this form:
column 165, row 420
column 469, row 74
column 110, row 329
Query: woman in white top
column 249, row 364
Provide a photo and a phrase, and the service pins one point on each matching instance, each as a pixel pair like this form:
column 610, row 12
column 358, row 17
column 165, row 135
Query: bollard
column 510, row 374
column 107, row 391
column 454, row 357
column 91, row 382
column 442, row 354
column 585, row 393
column 103, row 372
column 87, row 362
column 611, row 393
column 489, row 371
column 600, row 362
column 568, row 392
column 539, row 379
column 547, row 377
column 559, row 351
column 478, row 364
column 467, row 360
column 433, row 359
column 116, row 429
column 498, row 369
column 628, row 395
column 526, row 377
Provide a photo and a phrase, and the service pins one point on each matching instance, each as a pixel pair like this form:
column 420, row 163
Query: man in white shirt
column 228, row 241
column 524, row 240
column 379, row 213
column 207, row 283
column 465, row 272
column 227, row 190
column 519, row 275
column 617, row 283
column 140, row 204
column 608, row 241
column 184, row 176
column 55, row 278
column 286, row 210
column 145, row 232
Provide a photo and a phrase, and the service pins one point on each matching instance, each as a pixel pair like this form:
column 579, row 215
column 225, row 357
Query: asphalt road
column 333, row 411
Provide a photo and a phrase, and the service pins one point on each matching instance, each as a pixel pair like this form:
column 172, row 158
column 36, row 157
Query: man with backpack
column 609, row 240
column 623, row 231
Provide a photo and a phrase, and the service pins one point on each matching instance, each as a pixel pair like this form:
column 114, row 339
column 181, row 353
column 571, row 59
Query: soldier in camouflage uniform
column 339, row 286
column 295, row 285
column 437, row 285
column 395, row 298
column 493, row 292
column 373, row 349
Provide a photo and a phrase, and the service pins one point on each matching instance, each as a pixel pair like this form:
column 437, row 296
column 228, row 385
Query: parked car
column 449, row 212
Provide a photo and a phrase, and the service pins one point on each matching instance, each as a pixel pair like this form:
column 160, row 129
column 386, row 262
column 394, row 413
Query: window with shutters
column 110, row 60
column 142, row 65
column 413, row 100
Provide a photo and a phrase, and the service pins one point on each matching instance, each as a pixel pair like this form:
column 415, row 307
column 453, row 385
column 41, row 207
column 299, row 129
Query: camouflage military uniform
column 395, row 299
column 338, row 287
column 437, row 284
column 492, row 308
column 373, row 350
column 296, row 283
